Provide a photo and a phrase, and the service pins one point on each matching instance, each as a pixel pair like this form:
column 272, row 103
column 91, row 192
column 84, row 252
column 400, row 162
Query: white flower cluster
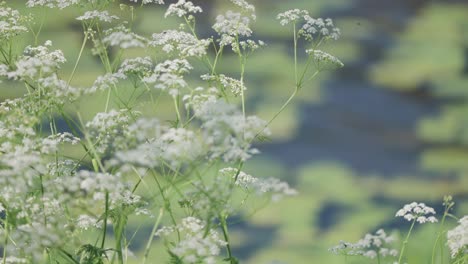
column 39, row 66
column 183, row 43
column 272, row 186
column 11, row 22
column 182, row 8
column 227, row 132
column 371, row 246
column 84, row 222
column 124, row 38
column 457, row 238
column 417, row 212
column 106, row 81
column 324, row 61
column 291, row 16
column 32, row 234
column 313, row 28
column 231, row 26
column 235, row 86
column 52, row 3
column 145, row 2
column 90, row 190
column 102, row 16
column 50, row 143
column 195, row 246
column 179, row 145
column 37, row 62
column 319, row 28
column 139, row 66
column 374, row 244
column 244, row 5
column 249, row 46
column 168, row 75
column 148, row 144
column 108, row 128
column 346, row 248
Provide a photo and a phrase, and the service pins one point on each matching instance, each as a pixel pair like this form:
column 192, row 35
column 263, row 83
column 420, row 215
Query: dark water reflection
column 368, row 128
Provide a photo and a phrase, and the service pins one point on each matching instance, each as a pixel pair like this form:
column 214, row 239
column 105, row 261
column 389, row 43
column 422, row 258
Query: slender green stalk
column 176, row 106
column 402, row 251
column 224, row 227
column 448, row 203
column 104, row 224
column 151, row 237
column 167, row 203
column 119, row 232
column 7, row 234
column 295, row 54
column 83, row 44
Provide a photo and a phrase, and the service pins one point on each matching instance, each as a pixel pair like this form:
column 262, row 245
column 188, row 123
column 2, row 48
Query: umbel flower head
column 324, row 61
column 11, row 22
column 457, row 238
column 371, row 246
column 417, row 212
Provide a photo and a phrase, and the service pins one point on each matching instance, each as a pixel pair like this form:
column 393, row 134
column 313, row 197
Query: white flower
column 108, row 128
column 168, row 75
column 37, row 62
column 228, row 83
column 11, row 22
column 291, row 16
column 319, row 28
column 179, row 145
column 124, row 38
column 103, row 16
column 50, row 144
column 196, row 246
column 140, row 66
column 182, row 8
column 183, row 43
column 232, row 24
column 274, row 187
column 106, row 81
column 418, row 212
column 52, row 3
column 159, row 2
column 85, row 222
column 244, row 5
column 457, row 238
column 371, row 246
column 324, row 61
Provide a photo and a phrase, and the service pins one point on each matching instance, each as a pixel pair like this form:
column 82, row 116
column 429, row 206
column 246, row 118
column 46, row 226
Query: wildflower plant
column 378, row 246
column 186, row 175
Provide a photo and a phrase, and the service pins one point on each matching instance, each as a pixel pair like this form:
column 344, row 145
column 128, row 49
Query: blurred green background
column 389, row 128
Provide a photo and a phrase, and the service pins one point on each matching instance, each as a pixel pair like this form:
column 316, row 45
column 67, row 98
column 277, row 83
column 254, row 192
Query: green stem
column 7, row 234
column 153, row 231
column 176, row 105
column 104, row 224
column 406, row 242
column 108, row 99
column 439, row 235
column 78, row 59
column 226, row 238
column 167, row 204
column 295, row 54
